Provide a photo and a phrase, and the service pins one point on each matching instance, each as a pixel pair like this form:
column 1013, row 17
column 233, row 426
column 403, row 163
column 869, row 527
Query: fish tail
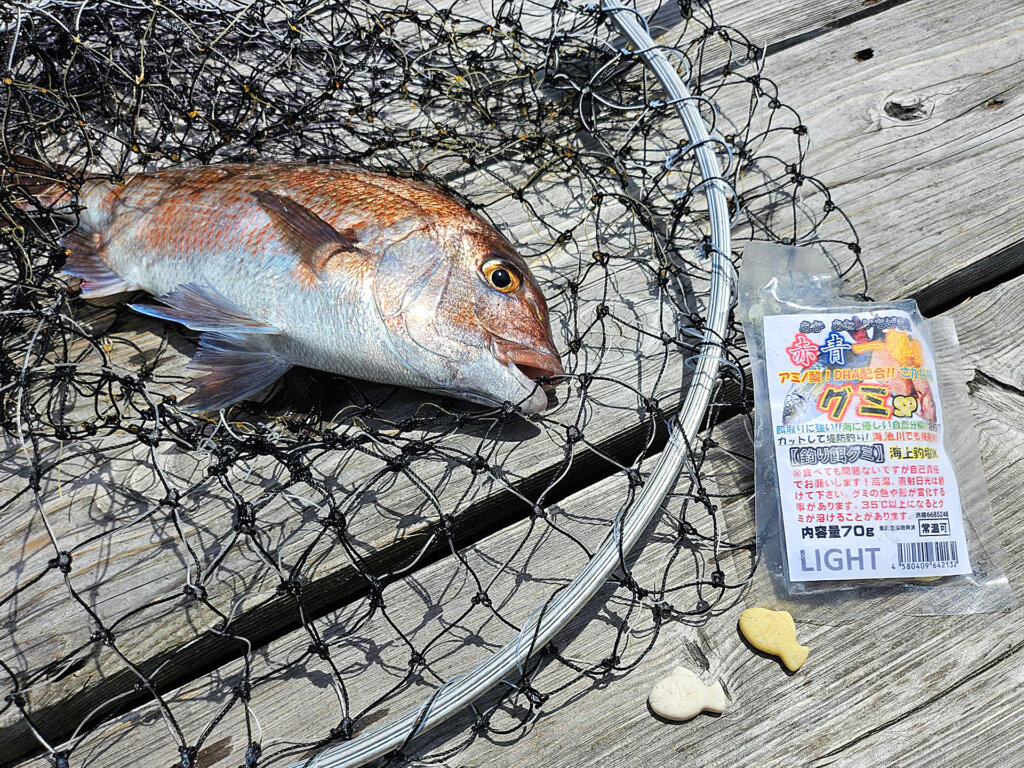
column 794, row 656
column 86, row 261
column 34, row 185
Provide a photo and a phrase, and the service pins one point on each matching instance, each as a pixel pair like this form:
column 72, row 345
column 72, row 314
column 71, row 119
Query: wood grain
column 883, row 690
column 880, row 164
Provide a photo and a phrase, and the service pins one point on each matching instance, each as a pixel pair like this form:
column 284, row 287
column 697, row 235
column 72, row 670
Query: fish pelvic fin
column 202, row 307
column 233, row 366
column 313, row 240
column 85, row 261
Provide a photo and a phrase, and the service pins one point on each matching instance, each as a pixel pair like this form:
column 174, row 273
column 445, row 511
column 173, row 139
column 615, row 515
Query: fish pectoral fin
column 203, row 308
column 235, row 366
column 313, row 240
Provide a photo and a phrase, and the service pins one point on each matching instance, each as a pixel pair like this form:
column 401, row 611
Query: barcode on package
column 926, row 553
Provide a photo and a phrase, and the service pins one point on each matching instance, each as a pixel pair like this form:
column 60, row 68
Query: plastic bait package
column 869, row 491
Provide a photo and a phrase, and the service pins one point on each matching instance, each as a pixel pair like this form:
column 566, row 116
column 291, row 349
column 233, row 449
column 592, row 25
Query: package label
column 867, row 489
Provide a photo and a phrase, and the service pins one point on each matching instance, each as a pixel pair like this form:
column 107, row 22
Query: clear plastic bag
column 857, row 406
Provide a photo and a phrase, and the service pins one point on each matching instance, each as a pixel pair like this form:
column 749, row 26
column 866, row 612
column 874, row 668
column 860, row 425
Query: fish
column 801, row 402
column 331, row 267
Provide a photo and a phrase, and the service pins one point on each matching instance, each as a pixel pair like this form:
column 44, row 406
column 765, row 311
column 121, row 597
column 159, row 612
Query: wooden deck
column 919, row 141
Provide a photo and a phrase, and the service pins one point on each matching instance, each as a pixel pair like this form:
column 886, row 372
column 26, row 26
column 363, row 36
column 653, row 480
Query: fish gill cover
column 336, row 548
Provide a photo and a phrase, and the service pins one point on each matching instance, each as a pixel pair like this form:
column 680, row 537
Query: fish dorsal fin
column 203, row 308
column 312, row 239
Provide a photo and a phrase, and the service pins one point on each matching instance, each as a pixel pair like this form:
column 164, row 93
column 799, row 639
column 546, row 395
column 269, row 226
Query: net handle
column 544, row 623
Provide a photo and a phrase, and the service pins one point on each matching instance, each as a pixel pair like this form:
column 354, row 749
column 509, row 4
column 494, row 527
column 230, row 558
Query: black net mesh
column 248, row 587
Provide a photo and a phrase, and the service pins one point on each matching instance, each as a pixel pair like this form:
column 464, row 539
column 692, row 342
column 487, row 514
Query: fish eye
column 501, row 276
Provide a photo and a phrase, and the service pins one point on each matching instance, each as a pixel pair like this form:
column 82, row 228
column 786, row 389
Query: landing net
column 251, row 587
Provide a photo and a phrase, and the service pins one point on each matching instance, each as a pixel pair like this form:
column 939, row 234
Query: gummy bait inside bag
column 868, row 482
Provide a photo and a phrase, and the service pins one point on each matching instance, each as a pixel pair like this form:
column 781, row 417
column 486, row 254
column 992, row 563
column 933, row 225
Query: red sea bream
column 330, row 267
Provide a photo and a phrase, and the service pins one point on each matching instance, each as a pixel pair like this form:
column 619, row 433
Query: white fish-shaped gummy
column 681, row 695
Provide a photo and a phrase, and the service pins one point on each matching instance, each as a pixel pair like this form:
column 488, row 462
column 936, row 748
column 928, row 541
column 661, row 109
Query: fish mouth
column 532, row 363
column 527, row 365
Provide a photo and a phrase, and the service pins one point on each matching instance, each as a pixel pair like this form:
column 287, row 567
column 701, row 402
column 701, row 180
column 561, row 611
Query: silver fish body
column 332, row 268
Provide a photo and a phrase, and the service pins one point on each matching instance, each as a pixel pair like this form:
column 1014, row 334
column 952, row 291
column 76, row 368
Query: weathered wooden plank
column 211, row 531
column 133, row 555
column 895, row 138
column 889, row 690
column 873, row 691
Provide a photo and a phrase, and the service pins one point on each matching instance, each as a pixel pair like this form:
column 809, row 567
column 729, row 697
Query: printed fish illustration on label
column 866, row 360
column 329, row 267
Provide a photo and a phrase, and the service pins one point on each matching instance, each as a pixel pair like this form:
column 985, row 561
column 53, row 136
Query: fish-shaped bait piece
column 330, row 267
column 682, row 696
column 774, row 632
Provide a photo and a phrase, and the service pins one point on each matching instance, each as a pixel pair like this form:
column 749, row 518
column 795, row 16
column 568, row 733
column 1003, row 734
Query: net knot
column 342, row 730
column 399, row 462
column 252, row 755
column 244, row 690
column 188, row 757
column 376, row 590
column 103, row 635
column 480, row 724
column 321, row 649
column 335, row 520
column 172, row 499
column 535, row 697
column 631, row 584
column 17, row 699
column 35, row 478
column 300, row 472
column 416, row 447
column 195, row 591
column 245, row 519
column 62, row 562
column 717, row 579
column 332, row 439
column 291, row 587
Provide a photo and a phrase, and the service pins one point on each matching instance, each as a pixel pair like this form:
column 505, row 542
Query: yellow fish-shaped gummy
column 774, row 632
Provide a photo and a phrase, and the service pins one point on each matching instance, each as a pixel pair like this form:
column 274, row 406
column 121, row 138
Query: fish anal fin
column 233, row 367
column 313, row 240
column 85, row 261
column 202, row 307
